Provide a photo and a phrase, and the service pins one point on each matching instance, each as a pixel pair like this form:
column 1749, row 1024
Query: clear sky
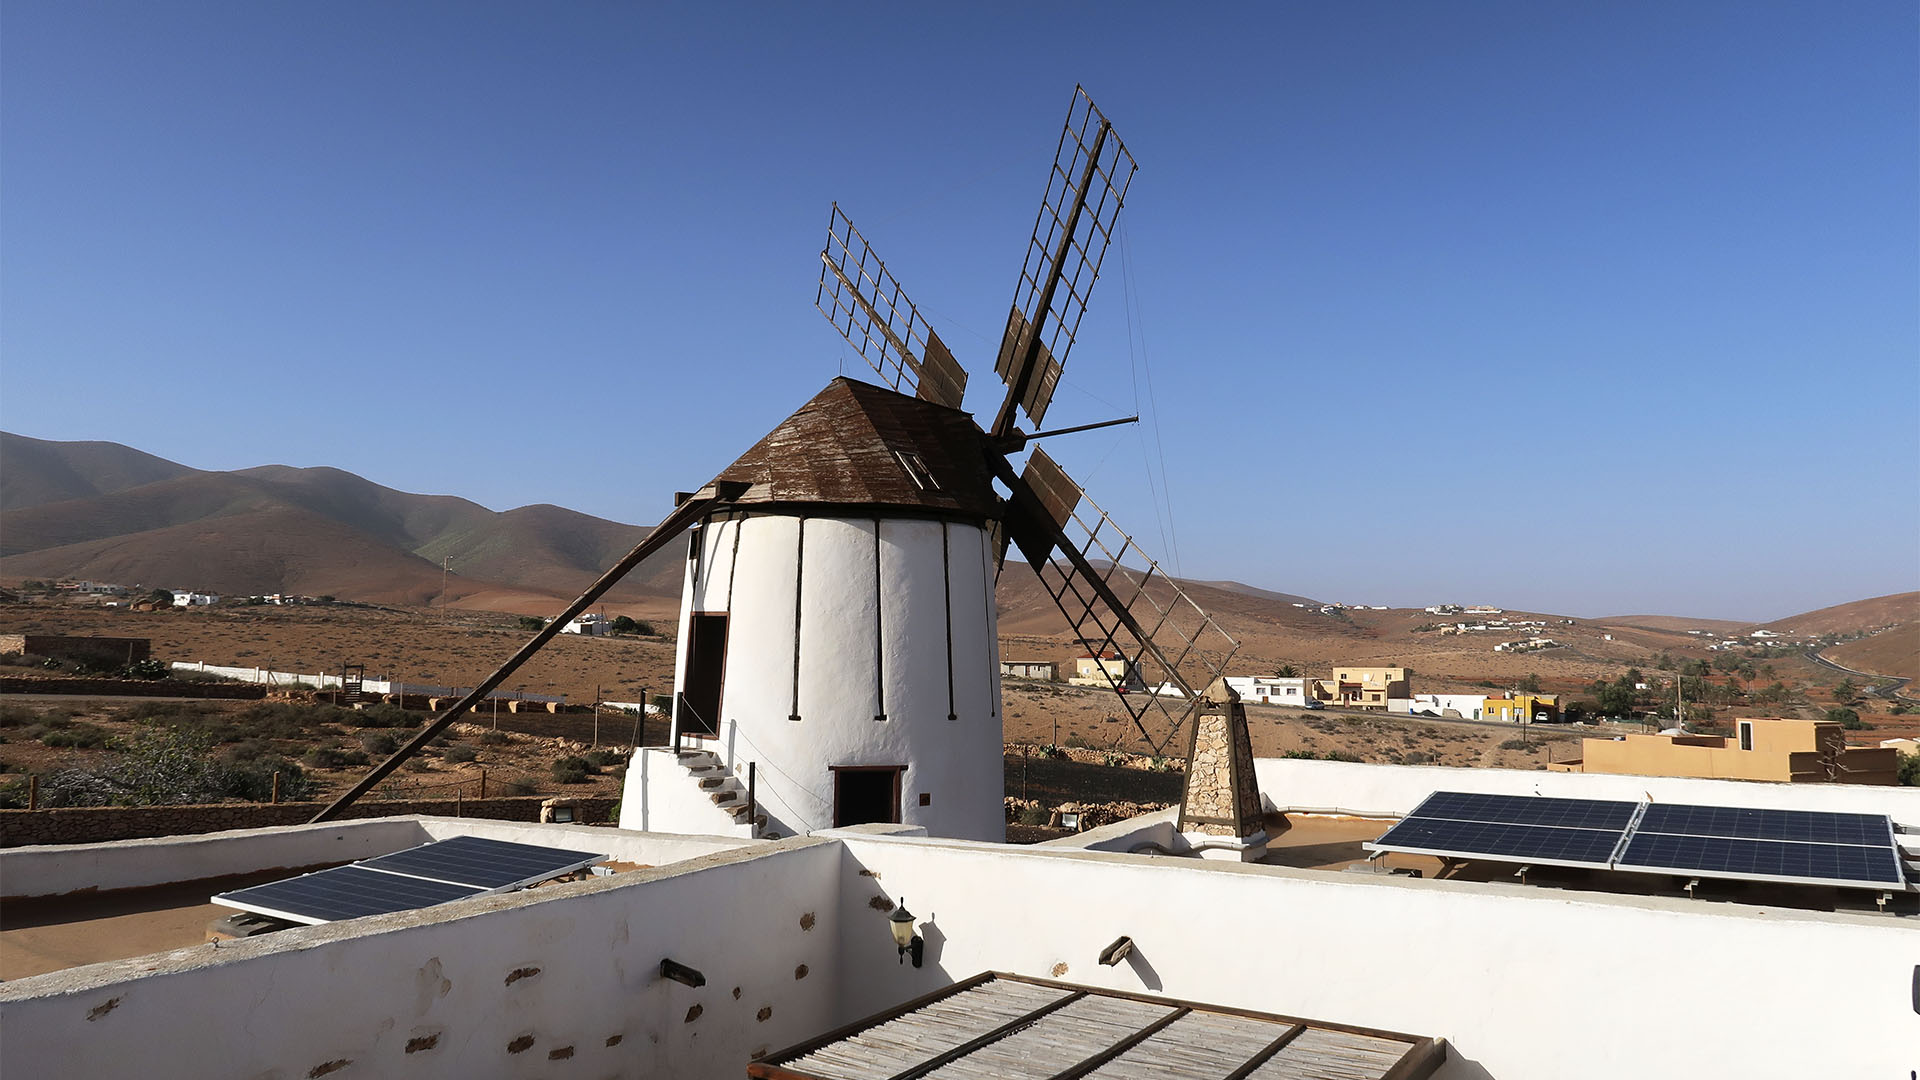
column 1587, row 308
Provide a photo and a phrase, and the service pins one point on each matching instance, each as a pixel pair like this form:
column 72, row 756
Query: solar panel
column 476, row 860
column 1527, row 810
column 1752, row 823
column 344, row 892
column 435, row 873
column 1506, row 843
column 1855, row 865
column 1749, row 843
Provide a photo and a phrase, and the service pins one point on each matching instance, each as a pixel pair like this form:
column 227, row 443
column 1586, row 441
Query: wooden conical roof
column 856, row 445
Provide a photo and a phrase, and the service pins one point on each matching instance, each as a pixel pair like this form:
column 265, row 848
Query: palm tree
column 1288, row 671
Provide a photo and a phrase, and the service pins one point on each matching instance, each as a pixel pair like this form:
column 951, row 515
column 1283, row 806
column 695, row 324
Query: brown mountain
column 35, row 471
column 103, row 511
column 1875, row 613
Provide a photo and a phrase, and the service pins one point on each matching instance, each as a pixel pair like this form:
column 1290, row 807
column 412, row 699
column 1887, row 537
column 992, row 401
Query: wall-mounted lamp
column 1116, row 952
column 901, row 923
column 681, row 973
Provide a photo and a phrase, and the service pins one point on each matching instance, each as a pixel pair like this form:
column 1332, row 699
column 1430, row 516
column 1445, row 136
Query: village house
column 1763, row 748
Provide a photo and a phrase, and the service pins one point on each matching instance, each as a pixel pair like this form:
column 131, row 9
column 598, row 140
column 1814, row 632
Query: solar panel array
column 1766, row 845
column 456, row 869
column 1743, row 843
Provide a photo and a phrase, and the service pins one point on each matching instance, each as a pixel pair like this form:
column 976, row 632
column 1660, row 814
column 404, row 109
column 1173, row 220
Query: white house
column 1269, row 689
column 194, row 599
column 1457, row 706
column 837, row 644
column 592, row 624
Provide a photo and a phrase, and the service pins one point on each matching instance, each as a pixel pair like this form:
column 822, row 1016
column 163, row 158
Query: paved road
column 1873, row 689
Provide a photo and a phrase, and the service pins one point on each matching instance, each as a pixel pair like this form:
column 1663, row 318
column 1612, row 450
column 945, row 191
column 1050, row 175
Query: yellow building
column 1794, row 751
column 1540, row 708
column 1109, row 670
column 1363, row 687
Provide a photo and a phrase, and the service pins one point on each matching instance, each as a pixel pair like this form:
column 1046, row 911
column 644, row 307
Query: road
column 1882, row 686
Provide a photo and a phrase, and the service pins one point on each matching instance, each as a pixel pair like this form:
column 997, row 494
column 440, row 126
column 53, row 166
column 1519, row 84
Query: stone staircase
column 705, row 768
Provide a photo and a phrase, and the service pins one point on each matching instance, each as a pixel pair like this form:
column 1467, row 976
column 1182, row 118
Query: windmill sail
column 1085, row 189
column 865, row 303
column 1164, row 647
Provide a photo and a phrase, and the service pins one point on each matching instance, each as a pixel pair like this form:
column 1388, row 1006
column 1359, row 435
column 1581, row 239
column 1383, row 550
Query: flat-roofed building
column 1766, row 748
column 1107, row 670
column 1364, row 687
column 1046, row 670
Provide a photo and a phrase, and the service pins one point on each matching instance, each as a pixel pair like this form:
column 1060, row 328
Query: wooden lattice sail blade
column 1085, row 190
column 1149, row 641
column 864, row 301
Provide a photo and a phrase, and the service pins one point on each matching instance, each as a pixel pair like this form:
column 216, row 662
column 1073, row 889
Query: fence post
column 483, row 783
column 753, row 803
column 456, row 803
column 276, row 787
column 33, row 791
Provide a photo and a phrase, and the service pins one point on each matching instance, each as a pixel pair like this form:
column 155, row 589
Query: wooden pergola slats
column 997, row 1026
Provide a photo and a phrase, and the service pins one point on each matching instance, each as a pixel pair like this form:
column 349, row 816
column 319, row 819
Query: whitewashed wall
column 1397, row 789
column 1524, row 983
column 880, row 604
column 565, row 981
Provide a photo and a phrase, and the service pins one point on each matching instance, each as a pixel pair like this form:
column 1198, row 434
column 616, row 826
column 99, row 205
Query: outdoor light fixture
column 1116, row 952
column 901, row 923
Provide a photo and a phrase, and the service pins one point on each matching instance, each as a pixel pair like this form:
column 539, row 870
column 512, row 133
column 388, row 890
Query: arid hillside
column 110, row 513
column 1894, row 652
column 1875, row 613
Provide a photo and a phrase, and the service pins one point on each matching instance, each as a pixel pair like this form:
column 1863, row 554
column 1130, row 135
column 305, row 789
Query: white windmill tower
column 837, row 660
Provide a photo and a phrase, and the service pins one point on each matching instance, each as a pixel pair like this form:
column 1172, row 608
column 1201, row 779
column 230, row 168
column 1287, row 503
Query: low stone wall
column 1092, row 815
column 98, row 824
column 116, row 652
column 29, row 684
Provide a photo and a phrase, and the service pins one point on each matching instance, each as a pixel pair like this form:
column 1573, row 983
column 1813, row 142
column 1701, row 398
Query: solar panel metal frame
column 447, row 878
column 1438, row 806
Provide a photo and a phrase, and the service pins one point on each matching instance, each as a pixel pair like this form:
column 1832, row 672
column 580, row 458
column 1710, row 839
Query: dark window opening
column 865, row 795
column 706, row 667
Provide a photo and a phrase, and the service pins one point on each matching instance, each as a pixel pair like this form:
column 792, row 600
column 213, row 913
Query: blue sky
column 1592, row 309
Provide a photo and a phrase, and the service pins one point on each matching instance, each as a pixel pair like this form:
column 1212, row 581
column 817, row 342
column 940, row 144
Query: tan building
column 1794, row 751
column 1364, row 687
column 1107, row 670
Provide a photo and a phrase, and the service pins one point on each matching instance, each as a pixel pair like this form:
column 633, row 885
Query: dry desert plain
column 458, row 647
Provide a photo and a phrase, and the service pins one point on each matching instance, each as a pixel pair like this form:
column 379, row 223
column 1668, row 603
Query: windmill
column 1163, row 639
column 837, row 652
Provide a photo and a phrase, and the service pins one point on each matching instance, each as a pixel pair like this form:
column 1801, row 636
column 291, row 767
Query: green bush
column 529, row 622
column 254, row 779
column 79, row 736
column 1033, row 815
column 1910, row 770
column 382, row 716
column 1516, row 744
column 572, row 770
column 12, row 715
column 1847, row 719
column 494, row 738
column 602, row 759
column 332, row 757
column 460, row 752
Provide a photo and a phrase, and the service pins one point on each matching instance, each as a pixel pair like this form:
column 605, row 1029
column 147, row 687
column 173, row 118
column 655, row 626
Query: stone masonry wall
column 98, row 824
column 29, row 684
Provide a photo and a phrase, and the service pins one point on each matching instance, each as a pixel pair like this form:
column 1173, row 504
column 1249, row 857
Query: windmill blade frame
column 1086, row 187
column 1116, row 608
column 864, row 301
